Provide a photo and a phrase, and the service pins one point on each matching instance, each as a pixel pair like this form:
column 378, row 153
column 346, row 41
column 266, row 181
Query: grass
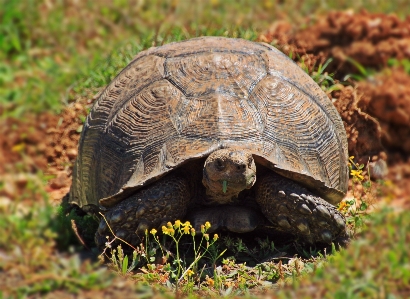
column 40, row 257
column 375, row 265
column 49, row 55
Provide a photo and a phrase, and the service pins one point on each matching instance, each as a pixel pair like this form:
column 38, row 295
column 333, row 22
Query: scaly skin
column 163, row 201
column 295, row 210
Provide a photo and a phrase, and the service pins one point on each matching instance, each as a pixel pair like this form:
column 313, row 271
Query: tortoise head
column 227, row 172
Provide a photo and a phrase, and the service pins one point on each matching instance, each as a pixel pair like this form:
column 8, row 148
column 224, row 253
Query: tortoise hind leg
column 162, row 201
column 295, row 210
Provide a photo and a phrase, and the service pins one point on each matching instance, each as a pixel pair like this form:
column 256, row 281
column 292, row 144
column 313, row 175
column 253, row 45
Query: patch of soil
column 44, row 143
column 367, row 38
column 386, row 98
column 363, row 131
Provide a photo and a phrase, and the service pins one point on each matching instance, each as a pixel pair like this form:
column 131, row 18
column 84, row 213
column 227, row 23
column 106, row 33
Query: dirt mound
column 376, row 114
column 368, row 39
column 363, row 131
column 386, row 97
column 43, row 143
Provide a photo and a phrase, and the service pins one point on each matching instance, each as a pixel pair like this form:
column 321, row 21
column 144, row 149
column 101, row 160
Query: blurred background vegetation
column 52, row 51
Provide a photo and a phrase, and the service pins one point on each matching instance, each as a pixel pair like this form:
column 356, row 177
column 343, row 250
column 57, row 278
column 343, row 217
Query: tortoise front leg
column 163, row 201
column 294, row 209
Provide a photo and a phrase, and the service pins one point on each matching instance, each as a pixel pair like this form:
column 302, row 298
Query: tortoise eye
column 219, row 164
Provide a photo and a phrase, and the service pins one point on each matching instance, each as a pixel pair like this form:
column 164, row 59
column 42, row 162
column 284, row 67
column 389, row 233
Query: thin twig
column 115, row 236
column 75, row 229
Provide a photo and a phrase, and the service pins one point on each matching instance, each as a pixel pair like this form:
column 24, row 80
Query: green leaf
column 363, row 206
column 125, row 265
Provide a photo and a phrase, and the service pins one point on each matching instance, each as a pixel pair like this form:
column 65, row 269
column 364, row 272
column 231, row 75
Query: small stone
column 60, row 181
column 78, row 106
column 5, row 202
column 281, row 194
column 9, row 188
column 378, row 169
column 71, row 153
column 58, row 149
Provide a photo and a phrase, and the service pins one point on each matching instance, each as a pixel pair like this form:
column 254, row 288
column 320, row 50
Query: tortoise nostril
column 241, row 167
column 219, row 164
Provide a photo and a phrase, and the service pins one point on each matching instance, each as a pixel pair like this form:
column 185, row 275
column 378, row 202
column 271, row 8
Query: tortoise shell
column 184, row 100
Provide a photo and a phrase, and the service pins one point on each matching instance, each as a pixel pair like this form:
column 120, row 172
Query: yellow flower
column 209, row 281
column 207, row 225
column 187, row 223
column 215, row 237
column 357, row 174
column 153, row 231
column 206, row 237
column 177, row 224
column 190, row 272
column 171, row 231
column 192, row 232
column 164, row 230
column 169, row 224
column 342, row 205
column 186, row 229
column 202, row 228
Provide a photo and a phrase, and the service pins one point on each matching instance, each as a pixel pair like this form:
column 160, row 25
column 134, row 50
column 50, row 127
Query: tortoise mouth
column 238, row 184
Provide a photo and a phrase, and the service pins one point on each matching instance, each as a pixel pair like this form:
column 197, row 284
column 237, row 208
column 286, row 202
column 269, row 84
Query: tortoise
column 213, row 129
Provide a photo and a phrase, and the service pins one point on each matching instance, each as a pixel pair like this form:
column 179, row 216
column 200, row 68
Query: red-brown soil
column 45, row 143
column 369, row 39
column 375, row 111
